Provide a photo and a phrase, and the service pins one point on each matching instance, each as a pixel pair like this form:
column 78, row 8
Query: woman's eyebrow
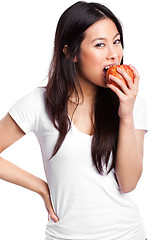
column 103, row 38
column 116, row 35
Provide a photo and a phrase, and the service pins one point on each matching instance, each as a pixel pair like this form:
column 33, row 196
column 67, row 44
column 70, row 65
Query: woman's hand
column 127, row 95
column 45, row 194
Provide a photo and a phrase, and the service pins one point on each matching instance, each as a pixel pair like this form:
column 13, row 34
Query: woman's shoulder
column 35, row 98
column 30, row 109
column 38, row 93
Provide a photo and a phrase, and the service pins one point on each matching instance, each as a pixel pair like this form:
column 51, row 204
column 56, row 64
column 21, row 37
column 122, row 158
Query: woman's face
column 101, row 47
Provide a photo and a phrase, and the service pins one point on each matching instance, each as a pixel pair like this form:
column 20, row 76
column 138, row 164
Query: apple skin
column 113, row 71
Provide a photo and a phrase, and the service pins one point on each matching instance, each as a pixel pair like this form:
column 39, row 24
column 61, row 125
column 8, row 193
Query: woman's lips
column 106, row 68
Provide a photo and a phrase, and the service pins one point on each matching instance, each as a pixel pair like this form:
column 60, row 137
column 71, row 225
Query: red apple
column 112, row 70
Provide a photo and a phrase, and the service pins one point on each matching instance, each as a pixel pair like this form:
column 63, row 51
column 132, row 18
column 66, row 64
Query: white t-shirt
column 89, row 206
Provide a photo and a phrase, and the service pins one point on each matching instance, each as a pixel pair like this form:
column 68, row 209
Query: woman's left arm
column 129, row 158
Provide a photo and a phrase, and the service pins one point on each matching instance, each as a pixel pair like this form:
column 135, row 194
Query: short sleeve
column 25, row 112
column 140, row 114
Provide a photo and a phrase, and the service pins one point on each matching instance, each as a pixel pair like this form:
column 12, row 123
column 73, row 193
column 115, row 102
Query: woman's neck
column 86, row 94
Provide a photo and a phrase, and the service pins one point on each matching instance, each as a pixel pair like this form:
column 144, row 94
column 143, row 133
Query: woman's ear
column 75, row 59
column 65, row 49
column 66, row 53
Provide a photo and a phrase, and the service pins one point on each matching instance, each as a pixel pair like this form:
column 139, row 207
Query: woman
column 91, row 133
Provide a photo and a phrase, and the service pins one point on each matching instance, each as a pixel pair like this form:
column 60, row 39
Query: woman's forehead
column 104, row 28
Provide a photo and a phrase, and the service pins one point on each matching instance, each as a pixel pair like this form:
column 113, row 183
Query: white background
column 27, row 34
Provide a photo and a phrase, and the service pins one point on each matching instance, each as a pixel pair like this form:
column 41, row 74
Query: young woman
column 91, row 133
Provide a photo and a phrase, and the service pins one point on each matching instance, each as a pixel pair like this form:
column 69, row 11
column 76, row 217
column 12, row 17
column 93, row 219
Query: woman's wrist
column 43, row 189
column 126, row 119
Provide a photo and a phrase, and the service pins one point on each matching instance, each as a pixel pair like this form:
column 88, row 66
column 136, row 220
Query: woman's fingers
column 136, row 75
column 52, row 215
column 132, row 86
column 127, row 78
column 123, row 88
column 49, row 208
column 115, row 89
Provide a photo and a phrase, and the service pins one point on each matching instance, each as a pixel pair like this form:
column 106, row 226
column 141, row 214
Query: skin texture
column 101, row 47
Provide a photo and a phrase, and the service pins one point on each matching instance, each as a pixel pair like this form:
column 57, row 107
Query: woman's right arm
column 10, row 132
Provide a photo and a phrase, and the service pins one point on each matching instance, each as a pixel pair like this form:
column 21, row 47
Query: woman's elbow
column 129, row 184
column 127, row 188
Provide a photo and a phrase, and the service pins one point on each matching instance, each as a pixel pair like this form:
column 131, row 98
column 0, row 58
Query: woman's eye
column 117, row 41
column 100, row 45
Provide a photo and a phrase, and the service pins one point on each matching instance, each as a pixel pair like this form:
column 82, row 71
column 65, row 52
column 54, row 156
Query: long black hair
column 63, row 81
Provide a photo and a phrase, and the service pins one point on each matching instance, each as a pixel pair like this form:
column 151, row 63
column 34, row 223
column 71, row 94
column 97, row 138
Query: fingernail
column 118, row 69
column 53, row 218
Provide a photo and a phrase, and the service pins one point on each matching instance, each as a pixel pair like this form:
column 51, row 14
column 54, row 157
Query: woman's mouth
column 106, row 68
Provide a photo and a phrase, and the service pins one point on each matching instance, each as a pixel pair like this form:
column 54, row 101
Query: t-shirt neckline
column 79, row 131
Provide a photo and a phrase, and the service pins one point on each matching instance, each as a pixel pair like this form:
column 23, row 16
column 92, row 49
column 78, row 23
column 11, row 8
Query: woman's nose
column 111, row 53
